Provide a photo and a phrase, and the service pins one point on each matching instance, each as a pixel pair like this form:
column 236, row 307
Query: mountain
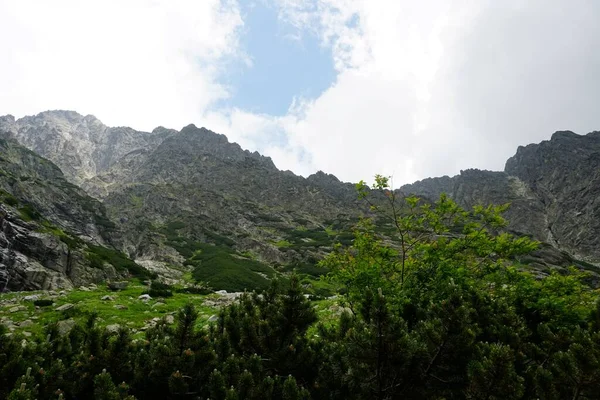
column 190, row 201
column 553, row 188
column 198, row 187
column 171, row 194
column 52, row 234
column 82, row 146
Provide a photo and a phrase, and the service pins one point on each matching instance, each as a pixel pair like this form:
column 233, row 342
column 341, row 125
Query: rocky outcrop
column 47, row 225
column 553, row 188
column 564, row 173
column 165, row 193
column 82, row 146
column 34, row 260
column 472, row 187
column 213, row 189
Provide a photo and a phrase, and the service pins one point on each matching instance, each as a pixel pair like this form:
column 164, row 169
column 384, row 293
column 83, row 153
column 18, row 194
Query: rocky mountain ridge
column 553, row 188
column 170, row 194
column 52, row 234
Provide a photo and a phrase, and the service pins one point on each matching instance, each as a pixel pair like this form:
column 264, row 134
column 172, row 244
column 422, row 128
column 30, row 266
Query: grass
column 283, row 243
column 317, row 237
column 85, row 302
column 8, row 199
column 221, row 268
column 98, row 255
column 218, row 264
column 28, row 213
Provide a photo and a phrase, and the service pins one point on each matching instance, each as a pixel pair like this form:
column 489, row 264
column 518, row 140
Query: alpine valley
column 82, row 203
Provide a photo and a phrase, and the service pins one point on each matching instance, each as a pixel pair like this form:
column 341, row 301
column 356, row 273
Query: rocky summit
column 553, row 188
column 83, row 203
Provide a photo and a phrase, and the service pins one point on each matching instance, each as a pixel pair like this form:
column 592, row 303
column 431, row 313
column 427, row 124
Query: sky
column 354, row 88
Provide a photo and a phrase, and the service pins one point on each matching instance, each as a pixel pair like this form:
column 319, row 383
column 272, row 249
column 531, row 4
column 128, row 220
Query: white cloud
column 429, row 88
column 370, row 121
column 422, row 88
column 137, row 63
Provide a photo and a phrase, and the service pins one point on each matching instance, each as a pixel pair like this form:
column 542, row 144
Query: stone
column 144, row 297
column 84, row 289
column 118, row 285
column 17, row 309
column 27, row 323
column 64, row 307
column 26, row 334
column 120, row 307
column 32, row 297
column 8, row 323
column 107, row 298
column 159, row 304
column 213, row 318
column 113, row 328
column 170, row 319
column 65, row 326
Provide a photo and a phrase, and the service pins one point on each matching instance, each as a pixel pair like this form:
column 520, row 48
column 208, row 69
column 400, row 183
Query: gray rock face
column 553, row 188
column 82, row 146
column 472, row 187
column 65, row 326
column 214, row 189
column 45, row 223
column 164, row 186
column 118, row 285
column 564, row 173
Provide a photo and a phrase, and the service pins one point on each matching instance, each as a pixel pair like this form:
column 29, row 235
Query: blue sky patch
column 285, row 64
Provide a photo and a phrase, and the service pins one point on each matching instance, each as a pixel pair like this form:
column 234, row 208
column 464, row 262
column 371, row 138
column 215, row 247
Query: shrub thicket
column 441, row 314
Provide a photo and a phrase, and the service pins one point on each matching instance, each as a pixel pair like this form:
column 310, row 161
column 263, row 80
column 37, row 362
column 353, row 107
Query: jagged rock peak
column 323, row 178
column 215, row 144
column 564, row 134
column 7, row 119
column 60, row 117
column 563, row 149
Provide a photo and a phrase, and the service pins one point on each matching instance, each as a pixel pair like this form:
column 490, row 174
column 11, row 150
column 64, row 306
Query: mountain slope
column 191, row 201
column 81, row 146
column 52, row 234
column 553, row 188
column 215, row 192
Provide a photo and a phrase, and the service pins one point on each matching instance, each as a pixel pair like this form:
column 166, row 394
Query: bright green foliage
column 430, row 241
column 437, row 309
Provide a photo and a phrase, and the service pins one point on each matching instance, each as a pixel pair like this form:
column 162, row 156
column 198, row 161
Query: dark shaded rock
column 117, row 285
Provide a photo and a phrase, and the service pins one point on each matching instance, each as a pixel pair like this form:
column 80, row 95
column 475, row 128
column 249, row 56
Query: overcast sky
column 405, row 88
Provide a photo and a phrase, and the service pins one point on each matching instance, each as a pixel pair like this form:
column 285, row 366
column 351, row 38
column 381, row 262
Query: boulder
column 118, row 285
column 65, row 326
column 64, row 307
column 113, row 328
